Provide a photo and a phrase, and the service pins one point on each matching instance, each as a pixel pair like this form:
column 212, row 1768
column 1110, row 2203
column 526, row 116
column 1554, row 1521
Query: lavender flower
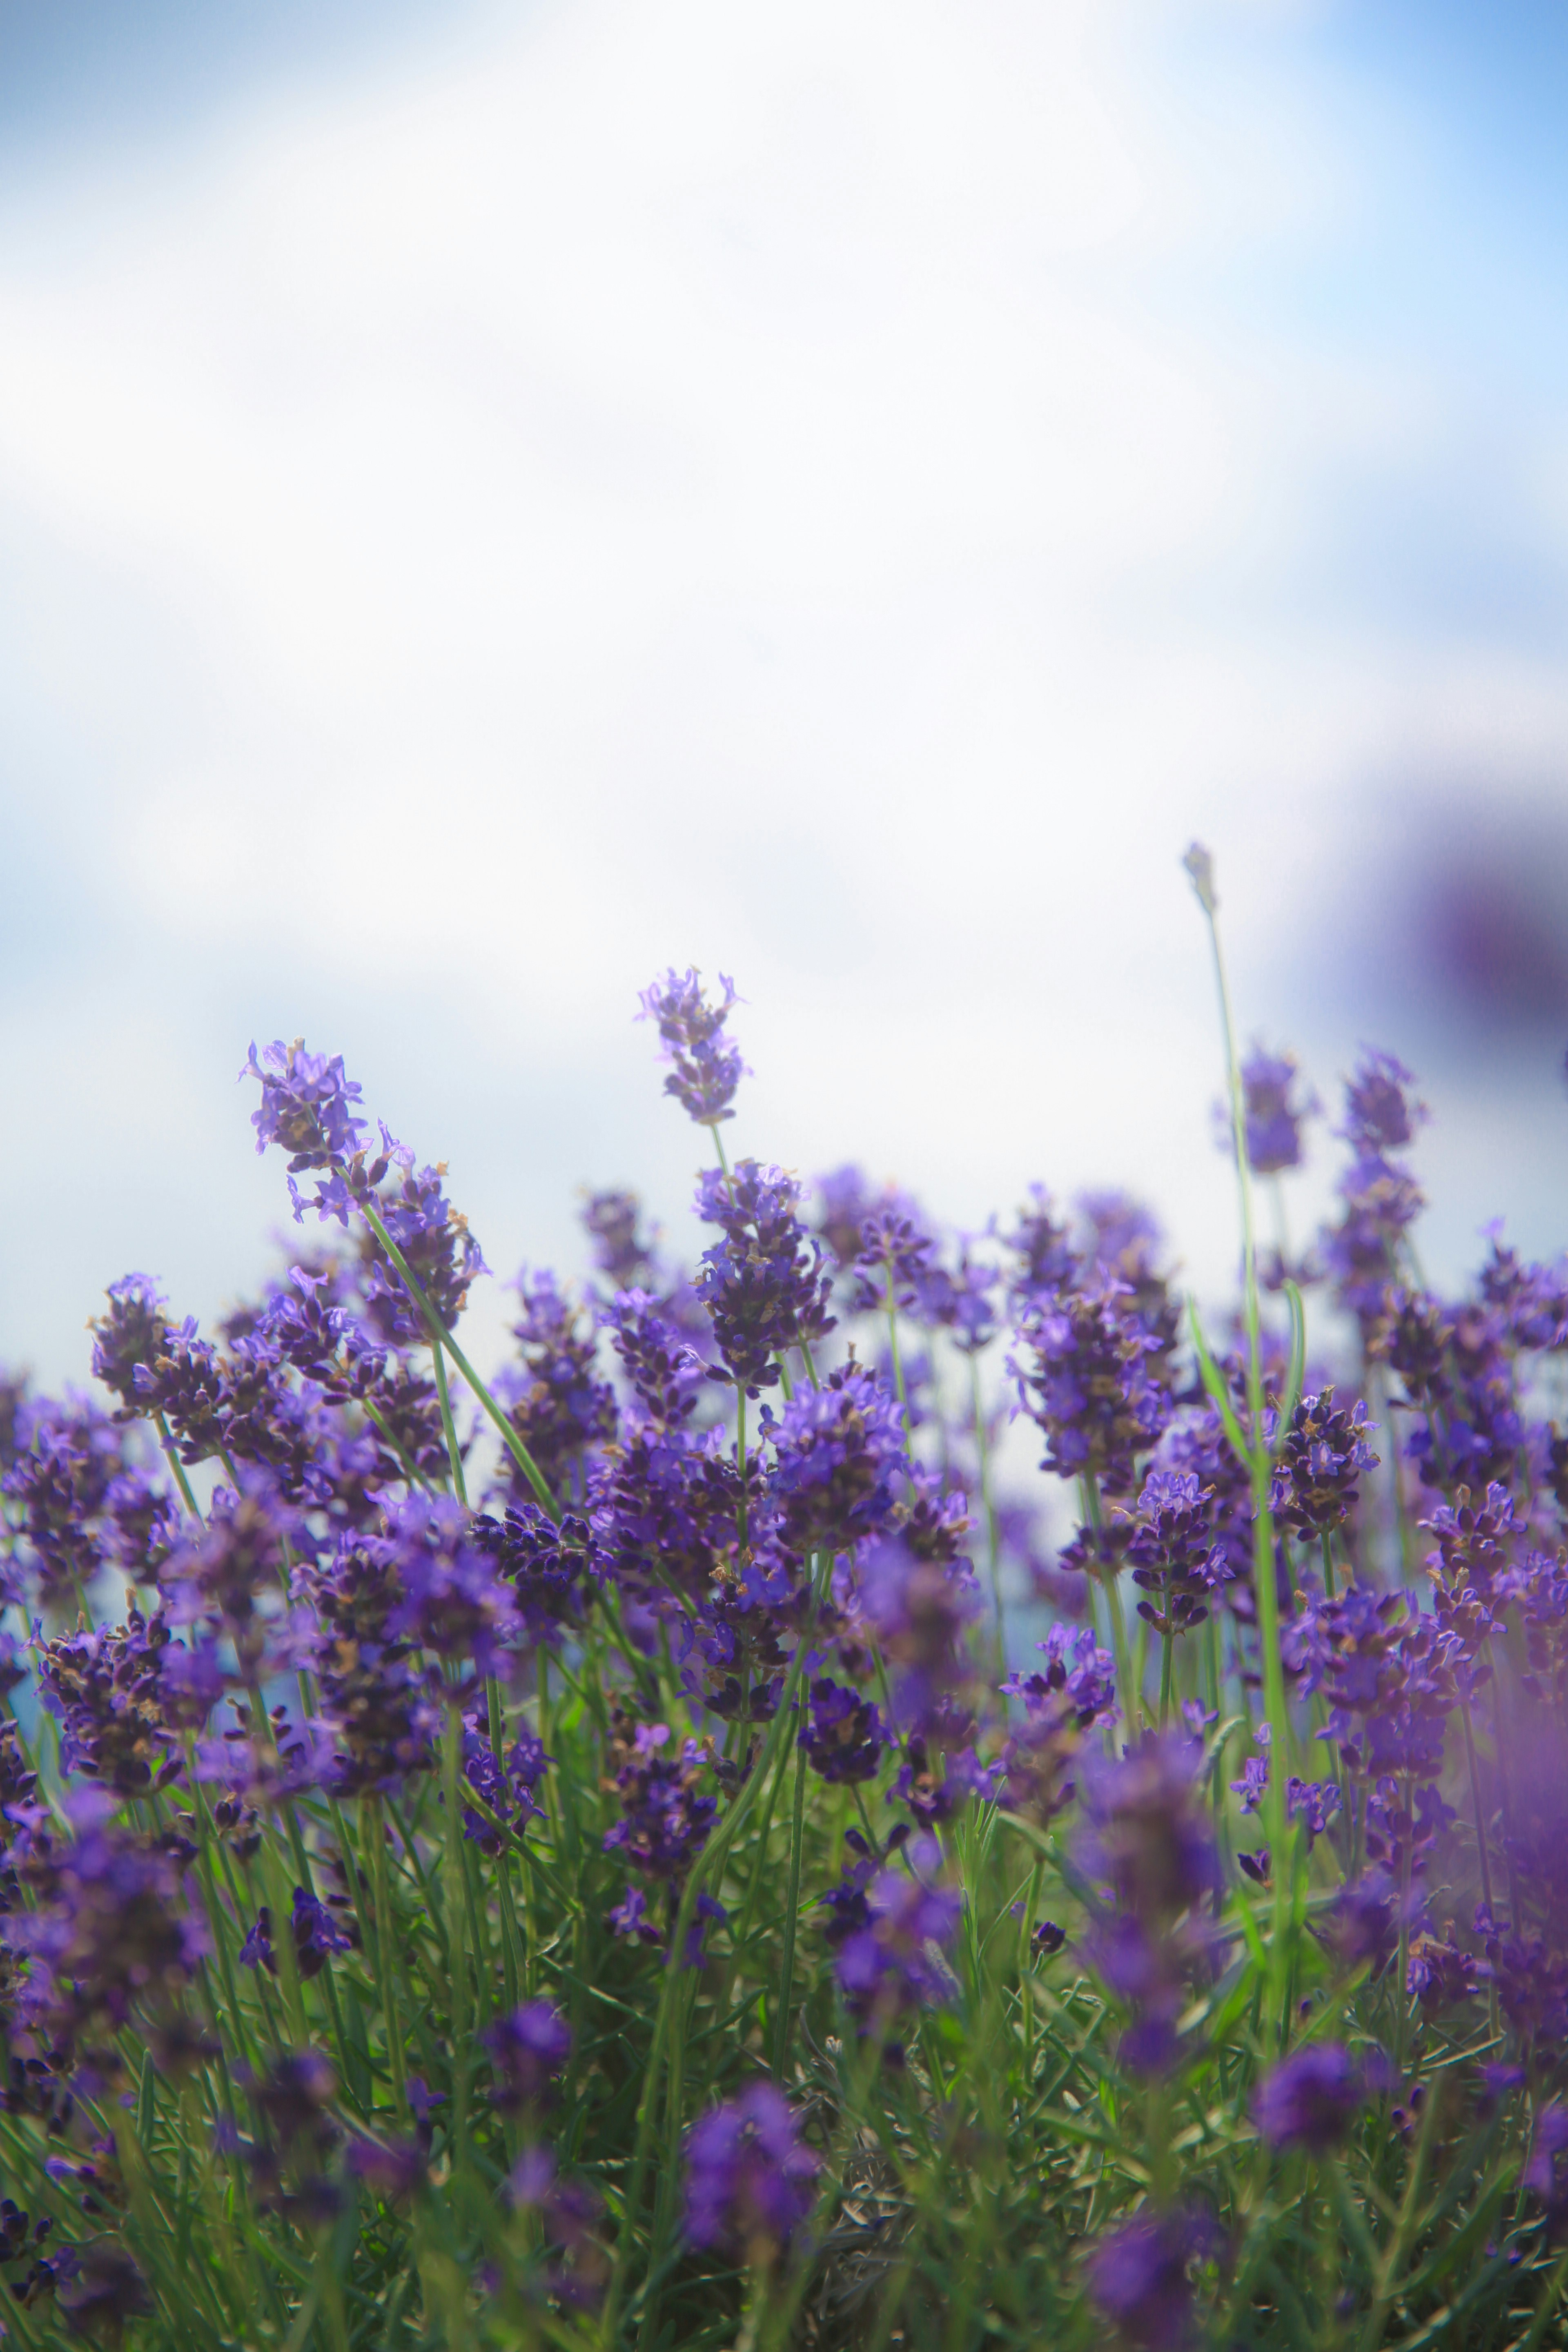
column 893, row 1962
column 705, row 1067
column 1075, row 1692
column 839, row 1449
column 763, row 1284
column 109, row 1929
column 664, row 1819
column 1324, row 1453
column 1047, row 1262
column 896, row 1259
column 1381, row 1199
column 528, row 2050
column 316, row 1936
column 105, row 1688
column 1311, row 2098
column 1379, row 1113
column 1173, row 1552
column 505, row 1783
column 130, row 1336
column 845, row 1736
column 665, row 1371
column 1274, row 1116
column 441, row 1254
column 613, row 1220
column 1147, row 1837
column 380, row 1702
column 1545, row 2174
column 1139, row 2277
column 58, row 1486
column 1082, row 1370
column 102, row 2289
column 229, row 1577
column 306, row 1107
column 922, row 1610
column 449, row 1598
column 748, row 2178
column 558, row 1409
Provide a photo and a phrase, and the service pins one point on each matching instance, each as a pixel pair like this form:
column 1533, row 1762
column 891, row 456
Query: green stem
column 457, row 1912
column 791, row 1909
column 441, row 1338
column 374, row 1828
column 987, row 1504
column 1256, row 1459
column 453, row 1452
column 741, row 1464
column 897, row 1359
column 178, row 1467
column 707, row 1864
column 413, row 1478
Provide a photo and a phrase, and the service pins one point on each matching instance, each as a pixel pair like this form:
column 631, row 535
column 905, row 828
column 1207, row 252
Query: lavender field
column 687, row 1838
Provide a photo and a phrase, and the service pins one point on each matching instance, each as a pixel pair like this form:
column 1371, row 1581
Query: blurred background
column 498, row 499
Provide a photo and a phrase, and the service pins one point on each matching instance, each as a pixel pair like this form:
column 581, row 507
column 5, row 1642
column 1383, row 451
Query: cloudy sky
column 498, row 499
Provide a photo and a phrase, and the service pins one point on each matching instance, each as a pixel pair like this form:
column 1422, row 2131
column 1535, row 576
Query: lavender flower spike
column 706, row 1069
column 748, row 2178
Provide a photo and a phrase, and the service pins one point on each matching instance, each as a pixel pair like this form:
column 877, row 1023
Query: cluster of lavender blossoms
column 689, row 1833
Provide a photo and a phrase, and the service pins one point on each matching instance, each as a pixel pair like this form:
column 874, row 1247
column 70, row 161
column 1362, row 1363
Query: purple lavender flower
column 110, row 1930
column 1312, row 1803
column 840, row 1450
column 1082, row 1368
column 1173, row 1552
column 629, row 1919
column 528, row 2050
column 1274, row 1115
column 1146, row 1836
column 1544, row 2172
column 505, row 1786
column 613, row 1221
column 1075, row 1692
column 845, row 1737
column 1381, row 1198
column 763, row 1284
column 893, row 1963
column 1047, row 1262
column 664, row 1820
column 441, row 1253
column 961, row 1301
column 705, row 1067
column 922, row 1610
column 895, row 1260
column 129, row 1335
column 227, row 1577
column 558, row 1407
column 449, row 1598
column 748, row 2178
column 1379, row 1115
column 105, row 1689
column 1323, row 1454
column 1139, row 2277
column 380, row 1702
column 58, row 1487
column 1532, row 1300
column 551, row 1567
column 316, row 1935
column 846, row 1199
column 306, row 1106
column 102, row 2291
column 665, row 1371
column 392, row 2169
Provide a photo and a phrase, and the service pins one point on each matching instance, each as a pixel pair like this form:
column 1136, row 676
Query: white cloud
column 675, row 480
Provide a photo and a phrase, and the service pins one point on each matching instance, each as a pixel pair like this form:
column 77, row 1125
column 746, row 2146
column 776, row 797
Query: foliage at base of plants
column 689, row 1843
